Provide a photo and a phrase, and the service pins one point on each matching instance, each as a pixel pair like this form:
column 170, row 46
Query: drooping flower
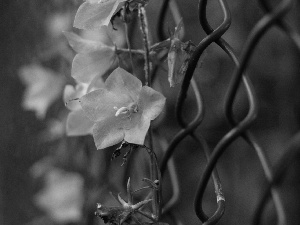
column 94, row 59
column 43, row 87
column 122, row 110
column 94, row 14
column 78, row 123
column 62, row 196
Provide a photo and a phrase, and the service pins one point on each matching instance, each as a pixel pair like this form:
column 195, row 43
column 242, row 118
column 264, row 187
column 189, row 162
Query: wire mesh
column 240, row 79
column 273, row 17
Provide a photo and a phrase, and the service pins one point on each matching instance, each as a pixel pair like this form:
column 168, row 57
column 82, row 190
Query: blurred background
column 49, row 178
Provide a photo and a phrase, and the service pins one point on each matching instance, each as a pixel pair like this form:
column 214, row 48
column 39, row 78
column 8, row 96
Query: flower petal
column 137, row 133
column 151, row 102
column 98, row 81
column 81, row 45
column 121, row 82
column 108, row 132
column 99, row 104
column 93, row 16
column 78, row 124
column 86, row 67
column 71, row 92
column 62, row 196
column 43, row 87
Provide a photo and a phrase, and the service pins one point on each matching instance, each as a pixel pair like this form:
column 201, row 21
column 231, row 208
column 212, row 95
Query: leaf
column 175, row 59
column 178, row 29
column 91, row 15
column 43, row 87
column 178, row 57
column 161, row 45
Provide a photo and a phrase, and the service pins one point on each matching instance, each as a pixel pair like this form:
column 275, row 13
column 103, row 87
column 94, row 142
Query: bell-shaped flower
column 94, row 59
column 62, row 196
column 94, row 14
column 78, row 123
column 43, row 87
column 122, row 110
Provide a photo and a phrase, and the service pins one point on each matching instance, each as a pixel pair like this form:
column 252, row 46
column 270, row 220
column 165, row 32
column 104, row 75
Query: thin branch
column 144, row 29
column 129, row 47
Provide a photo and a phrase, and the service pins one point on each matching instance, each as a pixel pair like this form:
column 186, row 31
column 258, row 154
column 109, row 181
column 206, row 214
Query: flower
column 62, row 196
column 122, row 110
column 94, row 58
column 78, row 123
column 43, row 87
column 94, row 14
column 94, row 61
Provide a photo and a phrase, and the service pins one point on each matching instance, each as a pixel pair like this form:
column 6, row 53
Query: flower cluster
column 92, row 62
column 119, row 109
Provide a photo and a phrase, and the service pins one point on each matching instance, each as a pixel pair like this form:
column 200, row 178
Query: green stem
column 154, row 170
column 129, row 47
column 133, row 51
column 155, row 175
column 144, row 29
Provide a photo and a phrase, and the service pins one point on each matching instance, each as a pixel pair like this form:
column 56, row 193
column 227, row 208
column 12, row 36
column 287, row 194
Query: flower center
column 127, row 111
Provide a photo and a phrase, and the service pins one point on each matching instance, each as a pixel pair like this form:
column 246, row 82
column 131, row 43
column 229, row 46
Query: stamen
column 122, row 110
column 70, row 100
column 131, row 108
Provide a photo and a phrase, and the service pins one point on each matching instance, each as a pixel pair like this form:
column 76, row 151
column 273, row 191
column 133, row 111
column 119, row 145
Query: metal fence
column 15, row 194
column 273, row 17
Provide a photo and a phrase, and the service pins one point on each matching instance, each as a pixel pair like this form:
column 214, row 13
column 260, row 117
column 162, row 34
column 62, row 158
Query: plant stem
column 129, row 47
column 144, row 29
column 133, row 51
column 154, row 169
column 155, row 175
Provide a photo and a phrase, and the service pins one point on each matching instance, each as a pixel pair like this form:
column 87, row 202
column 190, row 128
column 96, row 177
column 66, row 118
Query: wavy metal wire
column 273, row 17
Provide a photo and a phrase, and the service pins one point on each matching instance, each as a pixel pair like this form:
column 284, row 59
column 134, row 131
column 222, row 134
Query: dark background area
column 274, row 71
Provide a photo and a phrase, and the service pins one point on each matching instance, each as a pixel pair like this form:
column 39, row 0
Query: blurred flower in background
column 62, row 196
column 43, row 87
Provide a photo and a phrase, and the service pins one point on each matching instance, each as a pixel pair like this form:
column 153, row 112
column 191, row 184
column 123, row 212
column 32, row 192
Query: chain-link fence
column 237, row 109
column 240, row 128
